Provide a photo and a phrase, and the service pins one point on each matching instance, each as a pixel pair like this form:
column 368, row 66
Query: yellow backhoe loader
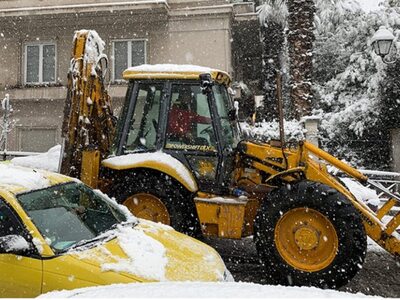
column 176, row 156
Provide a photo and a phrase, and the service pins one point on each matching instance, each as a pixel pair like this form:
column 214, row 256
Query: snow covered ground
column 203, row 290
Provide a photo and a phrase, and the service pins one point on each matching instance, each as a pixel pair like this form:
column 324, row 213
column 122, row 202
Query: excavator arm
column 89, row 124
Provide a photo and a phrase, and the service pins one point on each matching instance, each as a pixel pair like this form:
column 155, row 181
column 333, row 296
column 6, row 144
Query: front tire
column 310, row 234
column 159, row 198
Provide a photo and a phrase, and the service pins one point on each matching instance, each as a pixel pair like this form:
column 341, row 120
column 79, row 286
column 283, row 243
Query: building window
column 128, row 54
column 36, row 139
column 40, row 63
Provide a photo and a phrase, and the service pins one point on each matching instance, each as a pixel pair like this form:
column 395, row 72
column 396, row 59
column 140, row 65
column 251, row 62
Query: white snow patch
column 201, row 289
column 163, row 68
column 27, row 178
column 38, row 245
column 46, row 161
column 94, row 48
column 129, row 216
column 16, row 243
column 146, row 256
column 374, row 247
column 266, row 131
column 361, row 192
column 138, row 158
column 155, row 227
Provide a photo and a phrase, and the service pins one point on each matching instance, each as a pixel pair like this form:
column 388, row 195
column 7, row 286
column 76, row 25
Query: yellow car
column 57, row 233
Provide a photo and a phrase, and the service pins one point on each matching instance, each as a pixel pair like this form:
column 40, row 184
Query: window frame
column 20, row 129
column 40, row 44
column 129, row 55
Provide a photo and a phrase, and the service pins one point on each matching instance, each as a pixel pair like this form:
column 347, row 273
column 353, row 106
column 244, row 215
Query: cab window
column 142, row 133
column 229, row 128
column 189, row 124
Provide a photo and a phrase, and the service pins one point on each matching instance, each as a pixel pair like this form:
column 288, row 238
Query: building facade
column 36, row 44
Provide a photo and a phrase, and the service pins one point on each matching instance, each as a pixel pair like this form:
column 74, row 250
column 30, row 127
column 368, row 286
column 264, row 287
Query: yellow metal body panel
column 219, row 218
column 29, row 277
column 217, row 75
column 88, row 120
column 20, row 277
column 189, row 183
column 186, row 256
column 90, row 168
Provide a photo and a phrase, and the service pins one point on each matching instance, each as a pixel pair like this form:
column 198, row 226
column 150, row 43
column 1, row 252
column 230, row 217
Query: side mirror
column 206, row 83
column 13, row 244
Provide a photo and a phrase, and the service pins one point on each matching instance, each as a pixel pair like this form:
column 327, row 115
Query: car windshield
column 69, row 214
column 230, row 128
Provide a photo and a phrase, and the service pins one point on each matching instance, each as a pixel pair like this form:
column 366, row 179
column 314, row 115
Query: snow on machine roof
column 170, row 71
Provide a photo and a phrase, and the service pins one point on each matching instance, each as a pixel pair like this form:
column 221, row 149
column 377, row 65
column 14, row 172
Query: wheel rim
column 149, row 207
column 306, row 239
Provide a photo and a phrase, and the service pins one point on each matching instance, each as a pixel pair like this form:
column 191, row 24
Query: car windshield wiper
column 101, row 237
column 86, row 242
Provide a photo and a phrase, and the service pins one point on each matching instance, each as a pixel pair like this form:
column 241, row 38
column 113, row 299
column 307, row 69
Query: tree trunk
column 300, row 42
column 273, row 41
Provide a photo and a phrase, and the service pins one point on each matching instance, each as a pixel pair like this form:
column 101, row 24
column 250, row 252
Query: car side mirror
column 13, row 244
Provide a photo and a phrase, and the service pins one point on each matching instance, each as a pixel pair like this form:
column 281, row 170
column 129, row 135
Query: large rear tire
column 310, row 234
column 158, row 197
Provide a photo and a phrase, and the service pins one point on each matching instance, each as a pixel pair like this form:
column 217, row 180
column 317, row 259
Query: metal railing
column 5, row 155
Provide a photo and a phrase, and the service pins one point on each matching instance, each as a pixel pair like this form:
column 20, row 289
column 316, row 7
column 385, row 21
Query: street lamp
column 382, row 42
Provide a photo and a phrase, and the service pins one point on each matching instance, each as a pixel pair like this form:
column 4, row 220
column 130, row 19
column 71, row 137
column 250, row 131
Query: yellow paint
column 335, row 162
column 217, row 75
column 306, row 239
column 20, row 277
column 206, row 167
column 221, row 219
column 299, row 165
column 29, row 277
column 90, row 167
column 373, row 226
column 159, row 166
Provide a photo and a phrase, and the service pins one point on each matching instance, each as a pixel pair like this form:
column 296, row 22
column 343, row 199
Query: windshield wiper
column 101, row 237
column 86, row 242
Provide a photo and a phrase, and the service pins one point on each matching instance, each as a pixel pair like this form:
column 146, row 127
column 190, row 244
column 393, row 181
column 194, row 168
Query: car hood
column 153, row 252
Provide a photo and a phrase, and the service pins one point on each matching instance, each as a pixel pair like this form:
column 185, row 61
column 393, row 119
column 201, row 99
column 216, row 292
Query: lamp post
column 382, row 43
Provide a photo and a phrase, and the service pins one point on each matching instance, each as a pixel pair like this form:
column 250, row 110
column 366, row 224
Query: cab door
column 20, row 272
column 190, row 133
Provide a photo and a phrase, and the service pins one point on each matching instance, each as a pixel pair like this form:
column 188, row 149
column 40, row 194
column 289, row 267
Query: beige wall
column 178, row 31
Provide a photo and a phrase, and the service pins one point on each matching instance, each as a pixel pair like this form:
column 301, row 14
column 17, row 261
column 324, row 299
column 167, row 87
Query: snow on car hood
column 26, row 178
column 154, row 252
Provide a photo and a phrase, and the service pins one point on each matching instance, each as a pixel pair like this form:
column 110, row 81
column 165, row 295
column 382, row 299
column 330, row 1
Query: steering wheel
column 208, row 130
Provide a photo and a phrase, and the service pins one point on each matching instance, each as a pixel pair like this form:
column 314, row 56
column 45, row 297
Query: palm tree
column 300, row 43
column 272, row 15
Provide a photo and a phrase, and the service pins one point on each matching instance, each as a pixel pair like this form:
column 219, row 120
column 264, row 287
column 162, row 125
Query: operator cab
column 185, row 111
